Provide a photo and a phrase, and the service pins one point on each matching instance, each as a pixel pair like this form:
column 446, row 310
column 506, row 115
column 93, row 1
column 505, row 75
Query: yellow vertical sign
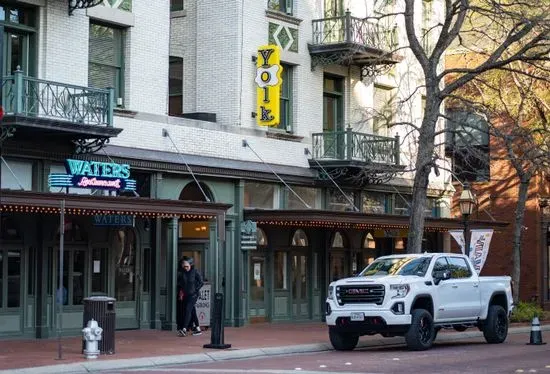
column 268, row 79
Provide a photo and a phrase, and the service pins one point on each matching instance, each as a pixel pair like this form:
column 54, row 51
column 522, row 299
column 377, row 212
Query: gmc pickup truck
column 415, row 296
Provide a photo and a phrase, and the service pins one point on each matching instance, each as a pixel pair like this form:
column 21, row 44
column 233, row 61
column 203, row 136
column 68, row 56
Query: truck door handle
column 455, row 286
column 476, row 285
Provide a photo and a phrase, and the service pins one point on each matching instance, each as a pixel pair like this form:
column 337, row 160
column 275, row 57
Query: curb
column 150, row 362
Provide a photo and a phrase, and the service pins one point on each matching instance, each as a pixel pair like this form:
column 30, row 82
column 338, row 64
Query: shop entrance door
column 299, row 276
column 127, row 279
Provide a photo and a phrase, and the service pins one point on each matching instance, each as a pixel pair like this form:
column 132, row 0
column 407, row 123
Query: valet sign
column 95, row 175
column 268, row 79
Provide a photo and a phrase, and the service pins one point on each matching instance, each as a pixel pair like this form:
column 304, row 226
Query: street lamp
column 467, row 201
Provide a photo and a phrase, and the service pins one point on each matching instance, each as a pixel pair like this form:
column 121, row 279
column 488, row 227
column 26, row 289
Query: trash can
column 102, row 309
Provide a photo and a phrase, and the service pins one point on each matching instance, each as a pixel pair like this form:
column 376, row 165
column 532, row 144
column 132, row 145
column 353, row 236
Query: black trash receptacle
column 102, row 309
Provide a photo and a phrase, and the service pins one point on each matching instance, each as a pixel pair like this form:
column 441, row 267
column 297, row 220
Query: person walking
column 189, row 284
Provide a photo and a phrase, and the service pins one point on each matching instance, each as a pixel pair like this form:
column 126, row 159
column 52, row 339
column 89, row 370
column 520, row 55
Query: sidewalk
column 151, row 348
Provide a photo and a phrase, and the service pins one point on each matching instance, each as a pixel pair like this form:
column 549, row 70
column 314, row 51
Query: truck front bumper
column 374, row 321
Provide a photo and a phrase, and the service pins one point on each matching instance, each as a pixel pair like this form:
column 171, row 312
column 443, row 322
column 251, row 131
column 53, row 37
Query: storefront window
column 73, row 277
column 338, row 268
column 402, row 205
column 281, row 273
column 14, row 278
column 309, row 195
column 339, row 202
column 260, row 195
column 373, row 202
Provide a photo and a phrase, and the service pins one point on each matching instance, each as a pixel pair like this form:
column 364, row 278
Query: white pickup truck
column 415, row 296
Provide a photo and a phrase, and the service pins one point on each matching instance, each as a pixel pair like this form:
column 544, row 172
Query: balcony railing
column 359, row 31
column 355, row 146
column 38, row 98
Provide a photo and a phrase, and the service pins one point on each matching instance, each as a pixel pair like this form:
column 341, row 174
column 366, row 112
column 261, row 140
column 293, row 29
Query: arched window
column 192, row 192
column 338, row 240
column 368, row 241
column 261, row 238
column 299, row 239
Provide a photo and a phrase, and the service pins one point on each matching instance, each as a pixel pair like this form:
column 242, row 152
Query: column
column 171, row 273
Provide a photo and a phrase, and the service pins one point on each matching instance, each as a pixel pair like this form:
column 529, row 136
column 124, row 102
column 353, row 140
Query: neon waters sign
column 95, row 175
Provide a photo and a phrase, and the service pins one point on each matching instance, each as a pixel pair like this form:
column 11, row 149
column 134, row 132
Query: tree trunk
column 423, row 166
column 523, row 191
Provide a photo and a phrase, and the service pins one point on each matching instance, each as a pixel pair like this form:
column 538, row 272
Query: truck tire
column 495, row 328
column 420, row 335
column 342, row 341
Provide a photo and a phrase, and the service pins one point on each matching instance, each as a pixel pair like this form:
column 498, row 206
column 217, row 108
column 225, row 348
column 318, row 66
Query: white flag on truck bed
column 479, row 245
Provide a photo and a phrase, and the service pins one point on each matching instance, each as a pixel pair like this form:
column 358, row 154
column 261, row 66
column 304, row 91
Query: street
column 464, row 356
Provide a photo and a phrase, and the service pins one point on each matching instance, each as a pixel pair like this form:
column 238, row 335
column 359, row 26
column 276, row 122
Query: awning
column 36, row 202
column 355, row 220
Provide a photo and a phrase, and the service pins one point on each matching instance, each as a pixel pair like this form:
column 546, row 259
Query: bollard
column 216, row 335
column 536, row 334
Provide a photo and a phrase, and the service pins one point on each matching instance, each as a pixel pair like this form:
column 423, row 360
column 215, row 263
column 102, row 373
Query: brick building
column 165, row 90
column 495, row 184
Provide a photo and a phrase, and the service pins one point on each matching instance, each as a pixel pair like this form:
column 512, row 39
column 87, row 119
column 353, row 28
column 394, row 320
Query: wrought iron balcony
column 355, row 157
column 35, row 107
column 352, row 41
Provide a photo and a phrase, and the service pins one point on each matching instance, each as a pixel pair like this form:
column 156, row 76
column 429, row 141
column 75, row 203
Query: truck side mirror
column 441, row 275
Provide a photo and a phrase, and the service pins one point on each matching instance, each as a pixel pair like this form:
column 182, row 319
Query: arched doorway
column 194, row 235
column 299, row 275
column 339, row 257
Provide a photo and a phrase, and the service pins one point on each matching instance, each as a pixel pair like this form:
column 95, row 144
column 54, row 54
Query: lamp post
column 467, row 202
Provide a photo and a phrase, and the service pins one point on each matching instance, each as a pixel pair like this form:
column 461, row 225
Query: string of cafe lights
column 91, row 212
column 345, row 225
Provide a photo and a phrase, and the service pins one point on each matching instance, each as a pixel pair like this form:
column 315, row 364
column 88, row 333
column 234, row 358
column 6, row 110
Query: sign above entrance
column 268, row 80
column 95, row 175
column 114, row 220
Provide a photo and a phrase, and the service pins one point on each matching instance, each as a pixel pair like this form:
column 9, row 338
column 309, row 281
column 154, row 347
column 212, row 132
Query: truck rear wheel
column 421, row 332
column 342, row 341
column 495, row 328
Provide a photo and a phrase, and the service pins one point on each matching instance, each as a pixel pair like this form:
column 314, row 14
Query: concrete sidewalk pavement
column 160, row 348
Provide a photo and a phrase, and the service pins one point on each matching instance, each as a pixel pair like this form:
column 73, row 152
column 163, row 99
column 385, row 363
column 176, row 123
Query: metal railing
column 348, row 29
column 355, row 146
column 38, row 98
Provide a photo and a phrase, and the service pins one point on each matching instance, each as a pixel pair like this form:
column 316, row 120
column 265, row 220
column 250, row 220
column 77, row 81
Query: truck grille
column 369, row 294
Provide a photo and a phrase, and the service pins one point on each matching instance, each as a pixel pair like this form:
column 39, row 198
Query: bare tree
column 508, row 31
column 516, row 106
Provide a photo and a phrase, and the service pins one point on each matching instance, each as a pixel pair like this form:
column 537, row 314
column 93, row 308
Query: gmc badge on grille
column 358, row 291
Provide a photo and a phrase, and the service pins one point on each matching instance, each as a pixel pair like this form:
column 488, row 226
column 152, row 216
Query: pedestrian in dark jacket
column 189, row 284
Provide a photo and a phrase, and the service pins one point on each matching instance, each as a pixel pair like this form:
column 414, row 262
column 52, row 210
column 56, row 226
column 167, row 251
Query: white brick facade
column 217, row 41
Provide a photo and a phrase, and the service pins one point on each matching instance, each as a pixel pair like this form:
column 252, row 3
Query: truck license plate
column 357, row 317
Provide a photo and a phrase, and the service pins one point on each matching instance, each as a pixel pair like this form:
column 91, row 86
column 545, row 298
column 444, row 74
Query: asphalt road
column 462, row 357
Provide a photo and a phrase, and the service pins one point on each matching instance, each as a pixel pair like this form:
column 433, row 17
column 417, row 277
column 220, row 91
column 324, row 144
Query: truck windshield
column 398, row 266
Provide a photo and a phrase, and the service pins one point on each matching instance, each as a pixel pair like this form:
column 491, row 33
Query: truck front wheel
column 495, row 328
column 421, row 332
column 342, row 341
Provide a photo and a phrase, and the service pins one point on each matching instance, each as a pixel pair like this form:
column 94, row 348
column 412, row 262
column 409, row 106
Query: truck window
column 440, row 265
column 459, row 268
column 398, row 266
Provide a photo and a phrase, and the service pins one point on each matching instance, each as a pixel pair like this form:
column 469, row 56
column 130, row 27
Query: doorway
column 126, row 284
column 299, row 277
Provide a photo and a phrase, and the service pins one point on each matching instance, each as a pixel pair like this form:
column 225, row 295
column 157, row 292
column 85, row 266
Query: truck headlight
column 401, row 290
column 330, row 292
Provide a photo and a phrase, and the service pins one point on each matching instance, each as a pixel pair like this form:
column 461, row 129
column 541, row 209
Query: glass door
column 258, row 291
column 299, row 286
column 16, row 50
column 126, row 280
column 333, row 114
